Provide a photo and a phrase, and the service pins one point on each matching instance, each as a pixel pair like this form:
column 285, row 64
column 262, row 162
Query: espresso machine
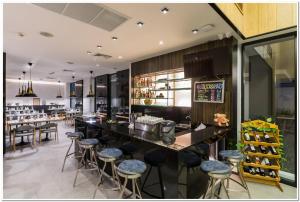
column 167, row 132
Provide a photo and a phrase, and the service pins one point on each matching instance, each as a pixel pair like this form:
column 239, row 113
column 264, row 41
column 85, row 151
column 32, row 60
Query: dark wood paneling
column 201, row 112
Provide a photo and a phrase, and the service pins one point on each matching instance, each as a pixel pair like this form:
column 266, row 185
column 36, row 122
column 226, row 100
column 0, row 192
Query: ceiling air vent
column 51, row 73
column 93, row 14
column 102, row 55
column 48, row 77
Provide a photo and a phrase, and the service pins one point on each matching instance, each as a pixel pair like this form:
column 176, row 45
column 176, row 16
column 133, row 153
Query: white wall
column 46, row 92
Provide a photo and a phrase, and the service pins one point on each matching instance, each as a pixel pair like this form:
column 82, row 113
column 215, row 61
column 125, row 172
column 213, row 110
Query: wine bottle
column 252, row 148
column 257, row 160
column 252, row 171
column 272, row 174
column 247, row 137
column 267, row 138
column 257, row 170
column 246, row 169
column 273, row 150
column 266, row 162
column 257, row 137
column 248, row 159
column 262, row 172
column 262, row 149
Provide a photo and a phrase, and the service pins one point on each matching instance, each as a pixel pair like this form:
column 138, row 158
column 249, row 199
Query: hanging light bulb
column 73, row 93
column 91, row 93
column 19, row 92
column 23, row 85
column 29, row 92
column 59, row 93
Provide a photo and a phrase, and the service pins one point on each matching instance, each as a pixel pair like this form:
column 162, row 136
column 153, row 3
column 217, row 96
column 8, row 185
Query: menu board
column 209, row 91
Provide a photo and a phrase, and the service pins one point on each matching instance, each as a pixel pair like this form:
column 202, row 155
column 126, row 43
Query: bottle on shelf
column 252, row 171
column 257, row 170
column 273, row 150
column 267, row 138
column 272, row 174
column 262, row 172
column 266, row 162
column 248, row 159
column 247, row 136
column 257, row 137
column 262, row 149
column 252, row 148
column 257, row 160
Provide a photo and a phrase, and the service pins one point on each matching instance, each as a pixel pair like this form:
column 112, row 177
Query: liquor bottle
column 262, row 149
column 266, row 162
column 248, row 159
column 252, row 148
column 262, row 172
column 246, row 169
column 273, row 150
column 267, row 138
column 247, row 137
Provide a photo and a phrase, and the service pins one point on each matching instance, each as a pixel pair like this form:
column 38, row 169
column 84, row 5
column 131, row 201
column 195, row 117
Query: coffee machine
column 167, row 132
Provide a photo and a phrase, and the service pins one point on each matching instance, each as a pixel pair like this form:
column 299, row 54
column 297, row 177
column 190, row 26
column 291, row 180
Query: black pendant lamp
column 29, row 92
column 73, row 93
column 19, row 92
column 59, row 92
column 91, row 93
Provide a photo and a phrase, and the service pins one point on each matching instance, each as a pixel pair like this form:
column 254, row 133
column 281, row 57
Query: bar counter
column 179, row 182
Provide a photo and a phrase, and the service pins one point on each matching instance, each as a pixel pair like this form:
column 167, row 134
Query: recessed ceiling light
column 164, row 10
column 46, row 34
column 114, row 38
column 140, row 24
column 207, row 27
column 161, row 42
column 89, row 52
column 99, row 46
column 120, row 57
column 195, row 31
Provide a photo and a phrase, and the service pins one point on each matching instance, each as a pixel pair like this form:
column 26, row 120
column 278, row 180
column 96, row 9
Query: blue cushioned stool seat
column 234, row 154
column 89, row 141
column 217, row 167
column 132, row 166
column 110, row 153
column 75, row 134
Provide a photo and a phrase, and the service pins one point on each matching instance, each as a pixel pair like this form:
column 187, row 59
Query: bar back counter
column 178, row 175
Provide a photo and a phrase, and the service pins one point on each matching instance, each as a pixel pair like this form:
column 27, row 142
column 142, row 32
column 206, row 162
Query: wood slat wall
column 200, row 112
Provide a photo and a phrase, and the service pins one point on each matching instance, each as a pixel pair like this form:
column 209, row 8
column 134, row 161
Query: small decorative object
column 147, row 101
column 221, row 120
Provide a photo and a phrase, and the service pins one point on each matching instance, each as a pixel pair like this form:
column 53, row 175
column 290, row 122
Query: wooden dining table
column 16, row 123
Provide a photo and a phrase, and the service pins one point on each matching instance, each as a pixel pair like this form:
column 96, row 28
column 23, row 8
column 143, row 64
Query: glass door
column 269, row 90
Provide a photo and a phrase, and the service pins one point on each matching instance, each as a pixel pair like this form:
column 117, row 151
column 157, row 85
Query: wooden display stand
column 258, row 128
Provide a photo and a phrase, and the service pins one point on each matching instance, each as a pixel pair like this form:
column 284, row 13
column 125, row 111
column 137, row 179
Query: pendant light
column 59, row 93
column 73, row 93
column 91, row 93
column 19, row 92
column 29, row 92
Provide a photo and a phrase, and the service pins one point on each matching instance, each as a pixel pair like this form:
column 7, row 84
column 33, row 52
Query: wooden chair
column 25, row 130
column 48, row 128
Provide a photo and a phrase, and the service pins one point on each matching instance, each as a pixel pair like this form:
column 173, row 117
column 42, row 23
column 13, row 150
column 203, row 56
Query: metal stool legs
column 136, row 193
column 92, row 162
column 214, row 178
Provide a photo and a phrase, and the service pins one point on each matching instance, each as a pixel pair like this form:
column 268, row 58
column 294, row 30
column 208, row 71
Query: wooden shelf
column 277, row 179
column 256, row 143
column 258, row 154
column 273, row 167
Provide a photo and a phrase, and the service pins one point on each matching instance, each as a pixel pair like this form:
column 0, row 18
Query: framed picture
column 209, row 91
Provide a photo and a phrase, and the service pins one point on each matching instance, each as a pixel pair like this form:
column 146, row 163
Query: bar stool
column 155, row 158
column 216, row 171
column 128, row 149
column 109, row 155
column 132, row 170
column 235, row 157
column 90, row 162
column 74, row 138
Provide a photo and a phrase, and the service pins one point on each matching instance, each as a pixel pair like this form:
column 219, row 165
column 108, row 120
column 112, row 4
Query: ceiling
column 73, row 38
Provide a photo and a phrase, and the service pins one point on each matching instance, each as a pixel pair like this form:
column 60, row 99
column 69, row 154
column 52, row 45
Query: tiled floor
column 37, row 175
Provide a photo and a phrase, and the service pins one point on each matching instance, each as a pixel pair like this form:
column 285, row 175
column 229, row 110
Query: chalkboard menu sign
column 209, row 91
